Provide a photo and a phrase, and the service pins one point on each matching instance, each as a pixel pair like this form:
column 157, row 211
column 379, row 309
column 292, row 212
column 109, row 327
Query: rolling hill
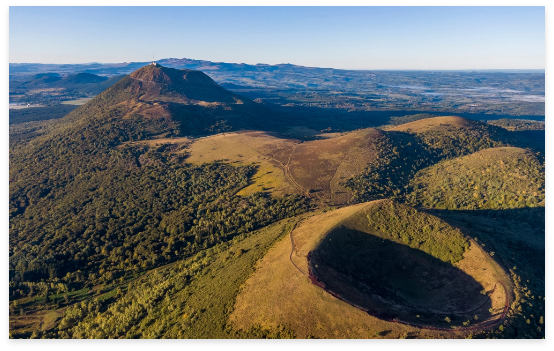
column 496, row 178
column 361, row 165
column 452, row 136
column 413, row 146
column 347, row 274
column 313, row 168
column 82, row 78
column 55, row 80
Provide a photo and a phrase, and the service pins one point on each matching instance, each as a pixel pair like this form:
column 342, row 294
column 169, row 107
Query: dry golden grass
column 243, row 149
column 288, row 166
column 432, row 123
column 161, row 141
column 353, row 163
column 42, row 320
column 478, row 264
column 319, row 166
column 78, row 102
column 285, row 166
column 279, row 294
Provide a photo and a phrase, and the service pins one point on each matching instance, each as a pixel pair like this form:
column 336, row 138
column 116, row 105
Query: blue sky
column 338, row 37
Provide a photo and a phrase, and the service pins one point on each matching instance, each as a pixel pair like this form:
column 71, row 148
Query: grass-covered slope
column 383, row 257
column 190, row 299
column 418, row 230
column 408, row 148
column 496, row 178
column 401, row 264
column 315, row 168
column 451, row 136
column 319, row 166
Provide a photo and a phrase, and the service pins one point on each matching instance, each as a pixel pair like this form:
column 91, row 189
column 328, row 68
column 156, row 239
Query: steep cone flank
column 163, row 75
column 158, row 83
column 156, row 100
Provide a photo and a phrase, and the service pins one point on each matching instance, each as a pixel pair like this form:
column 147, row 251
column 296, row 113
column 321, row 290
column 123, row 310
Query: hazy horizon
column 352, row 38
column 514, row 70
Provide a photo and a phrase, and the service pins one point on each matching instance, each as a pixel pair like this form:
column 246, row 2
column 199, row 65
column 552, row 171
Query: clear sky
column 338, row 37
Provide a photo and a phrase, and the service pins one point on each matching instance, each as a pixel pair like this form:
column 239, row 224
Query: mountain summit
column 163, row 75
column 158, row 83
column 156, row 100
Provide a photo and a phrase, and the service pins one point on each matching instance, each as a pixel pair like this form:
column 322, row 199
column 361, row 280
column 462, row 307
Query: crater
column 414, row 269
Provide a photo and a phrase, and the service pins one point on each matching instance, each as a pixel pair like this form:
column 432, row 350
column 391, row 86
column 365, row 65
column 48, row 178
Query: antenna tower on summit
column 153, row 62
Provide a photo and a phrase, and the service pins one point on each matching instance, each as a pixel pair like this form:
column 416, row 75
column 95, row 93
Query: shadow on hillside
column 531, row 139
column 337, row 120
column 392, row 280
column 534, row 216
column 515, row 235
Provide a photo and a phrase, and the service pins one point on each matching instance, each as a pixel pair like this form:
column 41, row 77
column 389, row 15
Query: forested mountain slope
column 92, row 209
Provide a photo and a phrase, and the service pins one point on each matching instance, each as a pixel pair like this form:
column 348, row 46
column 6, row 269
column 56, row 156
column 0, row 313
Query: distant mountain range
column 203, row 65
column 128, row 67
column 42, row 80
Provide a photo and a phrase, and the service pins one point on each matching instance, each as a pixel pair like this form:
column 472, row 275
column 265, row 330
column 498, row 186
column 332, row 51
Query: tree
column 220, row 127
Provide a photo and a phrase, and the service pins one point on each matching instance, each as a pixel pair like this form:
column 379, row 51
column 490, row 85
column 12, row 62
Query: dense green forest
column 39, row 113
column 92, row 209
column 400, row 157
column 402, row 154
column 95, row 229
column 518, row 124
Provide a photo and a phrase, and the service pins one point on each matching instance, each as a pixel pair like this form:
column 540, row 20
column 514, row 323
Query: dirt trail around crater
column 282, row 292
column 476, row 327
column 279, row 293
